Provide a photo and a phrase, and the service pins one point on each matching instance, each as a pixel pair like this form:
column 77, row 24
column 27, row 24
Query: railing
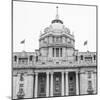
column 57, row 44
column 54, row 62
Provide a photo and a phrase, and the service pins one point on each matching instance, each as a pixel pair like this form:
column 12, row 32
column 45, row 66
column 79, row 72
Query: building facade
column 56, row 68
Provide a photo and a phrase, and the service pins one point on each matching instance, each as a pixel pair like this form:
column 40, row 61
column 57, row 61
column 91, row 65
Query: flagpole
column 23, row 42
column 85, row 44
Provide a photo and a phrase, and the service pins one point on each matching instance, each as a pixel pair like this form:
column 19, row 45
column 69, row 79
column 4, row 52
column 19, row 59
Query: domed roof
column 57, row 20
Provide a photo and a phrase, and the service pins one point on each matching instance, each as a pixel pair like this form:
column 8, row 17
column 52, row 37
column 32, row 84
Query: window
column 21, row 77
column 31, row 57
column 94, row 57
column 81, row 57
column 21, row 85
column 61, row 39
column 90, row 89
column 60, row 52
column 15, row 58
column 23, row 60
column 76, row 58
column 57, row 52
column 53, row 52
column 89, row 59
column 57, row 39
column 36, row 58
column 53, row 39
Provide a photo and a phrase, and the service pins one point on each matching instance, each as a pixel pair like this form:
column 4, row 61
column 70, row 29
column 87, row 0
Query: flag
column 23, row 41
column 85, row 43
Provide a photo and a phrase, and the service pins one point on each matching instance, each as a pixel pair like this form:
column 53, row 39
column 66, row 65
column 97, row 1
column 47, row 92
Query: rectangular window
column 53, row 52
column 90, row 89
column 94, row 57
column 76, row 58
column 30, row 58
column 57, row 52
column 60, row 52
column 81, row 57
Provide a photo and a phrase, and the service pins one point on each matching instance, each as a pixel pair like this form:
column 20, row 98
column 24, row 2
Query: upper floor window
column 23, row 60
column 15, row 58
column 22, row 77
column 57, row 39
column 89, row 59
column 57, row 52
column 76, row 58
column 36, row 58
column 81, row 57
column 60, row 52
column 53, row 52
column 31, row 58
column 94, row 57
column 90, row 89
column 68, row 40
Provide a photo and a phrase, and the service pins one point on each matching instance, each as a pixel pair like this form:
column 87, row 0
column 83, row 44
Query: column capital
column 36, row 73
column 63, row 72
column 47, row 72
column 51, row 73
column 77, row 72
column 66, row 72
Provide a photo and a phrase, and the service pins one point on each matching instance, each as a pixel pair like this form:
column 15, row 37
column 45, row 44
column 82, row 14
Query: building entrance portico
column 56, row 83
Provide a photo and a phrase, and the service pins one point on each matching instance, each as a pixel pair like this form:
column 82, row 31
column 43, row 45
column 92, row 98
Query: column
column 59, row 52
column 77, row 84
column 36, row 84
column 51, row 89
column 50, row 52
column 33, row 84
column 62, row 84
column 67, row 89
column 47, row 85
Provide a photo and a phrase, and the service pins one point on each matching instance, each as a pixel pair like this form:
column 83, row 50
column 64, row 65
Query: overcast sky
column 31, row 18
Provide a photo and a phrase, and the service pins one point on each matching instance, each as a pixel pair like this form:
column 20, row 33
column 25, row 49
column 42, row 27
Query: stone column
column 33, row 84
column 36, row 84
column 67, row 87
column 62, row 93
column 51, row 89
column 59, row 52
column 77, row 84
column 47, row 85
column 50, row 52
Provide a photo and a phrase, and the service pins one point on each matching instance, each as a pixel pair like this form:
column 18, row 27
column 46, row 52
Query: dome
column 57, row 21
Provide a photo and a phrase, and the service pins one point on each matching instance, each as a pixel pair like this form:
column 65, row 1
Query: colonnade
column 49, row 81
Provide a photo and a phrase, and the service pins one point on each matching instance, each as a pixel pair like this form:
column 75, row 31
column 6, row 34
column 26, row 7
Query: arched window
column 81, row 57
column 36, row 58
column 15, row 58
column 76, row 58
column 94, row 57
column 31, row 58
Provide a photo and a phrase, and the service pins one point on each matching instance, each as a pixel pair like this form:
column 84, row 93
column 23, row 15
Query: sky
column 29, row 19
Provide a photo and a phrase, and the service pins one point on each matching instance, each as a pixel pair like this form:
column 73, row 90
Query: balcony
column 57, row 44
column 45, row 62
